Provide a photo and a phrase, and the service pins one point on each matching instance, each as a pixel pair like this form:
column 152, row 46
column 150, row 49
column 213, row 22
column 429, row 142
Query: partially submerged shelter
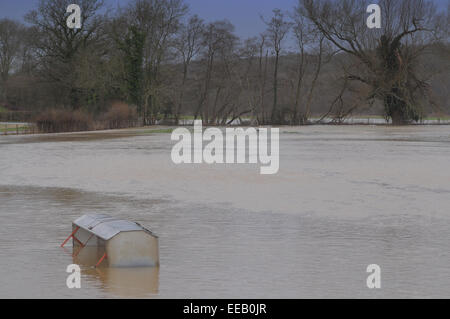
column 125, row 243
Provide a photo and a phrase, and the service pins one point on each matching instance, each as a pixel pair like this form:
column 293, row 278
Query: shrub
column 120, row 115
column 54, row 121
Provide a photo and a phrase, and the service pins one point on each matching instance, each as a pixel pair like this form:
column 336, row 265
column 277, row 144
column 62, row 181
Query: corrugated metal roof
column 106, row 227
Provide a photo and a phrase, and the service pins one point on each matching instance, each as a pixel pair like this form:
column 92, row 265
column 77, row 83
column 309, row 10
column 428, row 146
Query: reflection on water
column 121, row 282
column 345, row 197
column 126, row 282
column 88, row 256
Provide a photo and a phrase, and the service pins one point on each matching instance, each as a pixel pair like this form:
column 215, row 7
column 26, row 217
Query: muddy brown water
column 344, row 198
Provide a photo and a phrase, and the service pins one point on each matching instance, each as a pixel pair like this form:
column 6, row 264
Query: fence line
column 18, row 129
column 31, row 128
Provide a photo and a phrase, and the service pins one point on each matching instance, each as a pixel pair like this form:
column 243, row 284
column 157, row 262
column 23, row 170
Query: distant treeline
column 154, row 60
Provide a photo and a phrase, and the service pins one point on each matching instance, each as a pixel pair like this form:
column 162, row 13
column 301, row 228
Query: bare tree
column 218, row 40
column 302, row 37
column 57, row 45
column 188, row 45
column 263, row 60
column 248, row 78
column 159, row 21
column 388, row 55
column 277, row 29
column 10, row 47
column 239, row 85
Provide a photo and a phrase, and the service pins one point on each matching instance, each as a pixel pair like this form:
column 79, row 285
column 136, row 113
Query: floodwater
column 344, row 198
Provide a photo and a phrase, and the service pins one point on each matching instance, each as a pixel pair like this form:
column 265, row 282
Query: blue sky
column 244, row 14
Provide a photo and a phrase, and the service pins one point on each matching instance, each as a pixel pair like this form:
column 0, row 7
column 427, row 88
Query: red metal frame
column 71, row 235
column 82, row 245
column 101, row 259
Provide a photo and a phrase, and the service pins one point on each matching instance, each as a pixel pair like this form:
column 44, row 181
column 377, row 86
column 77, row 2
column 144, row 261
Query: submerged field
column 345, row 197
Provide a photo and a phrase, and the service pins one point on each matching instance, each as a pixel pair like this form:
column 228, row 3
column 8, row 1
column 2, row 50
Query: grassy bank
column 157, row 131
column 122, row 118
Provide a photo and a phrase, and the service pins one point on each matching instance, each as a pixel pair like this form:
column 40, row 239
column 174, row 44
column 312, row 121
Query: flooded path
column 344, row 198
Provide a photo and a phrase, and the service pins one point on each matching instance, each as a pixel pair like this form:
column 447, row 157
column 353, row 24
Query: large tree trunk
column 396, row 109
column 395, row 102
